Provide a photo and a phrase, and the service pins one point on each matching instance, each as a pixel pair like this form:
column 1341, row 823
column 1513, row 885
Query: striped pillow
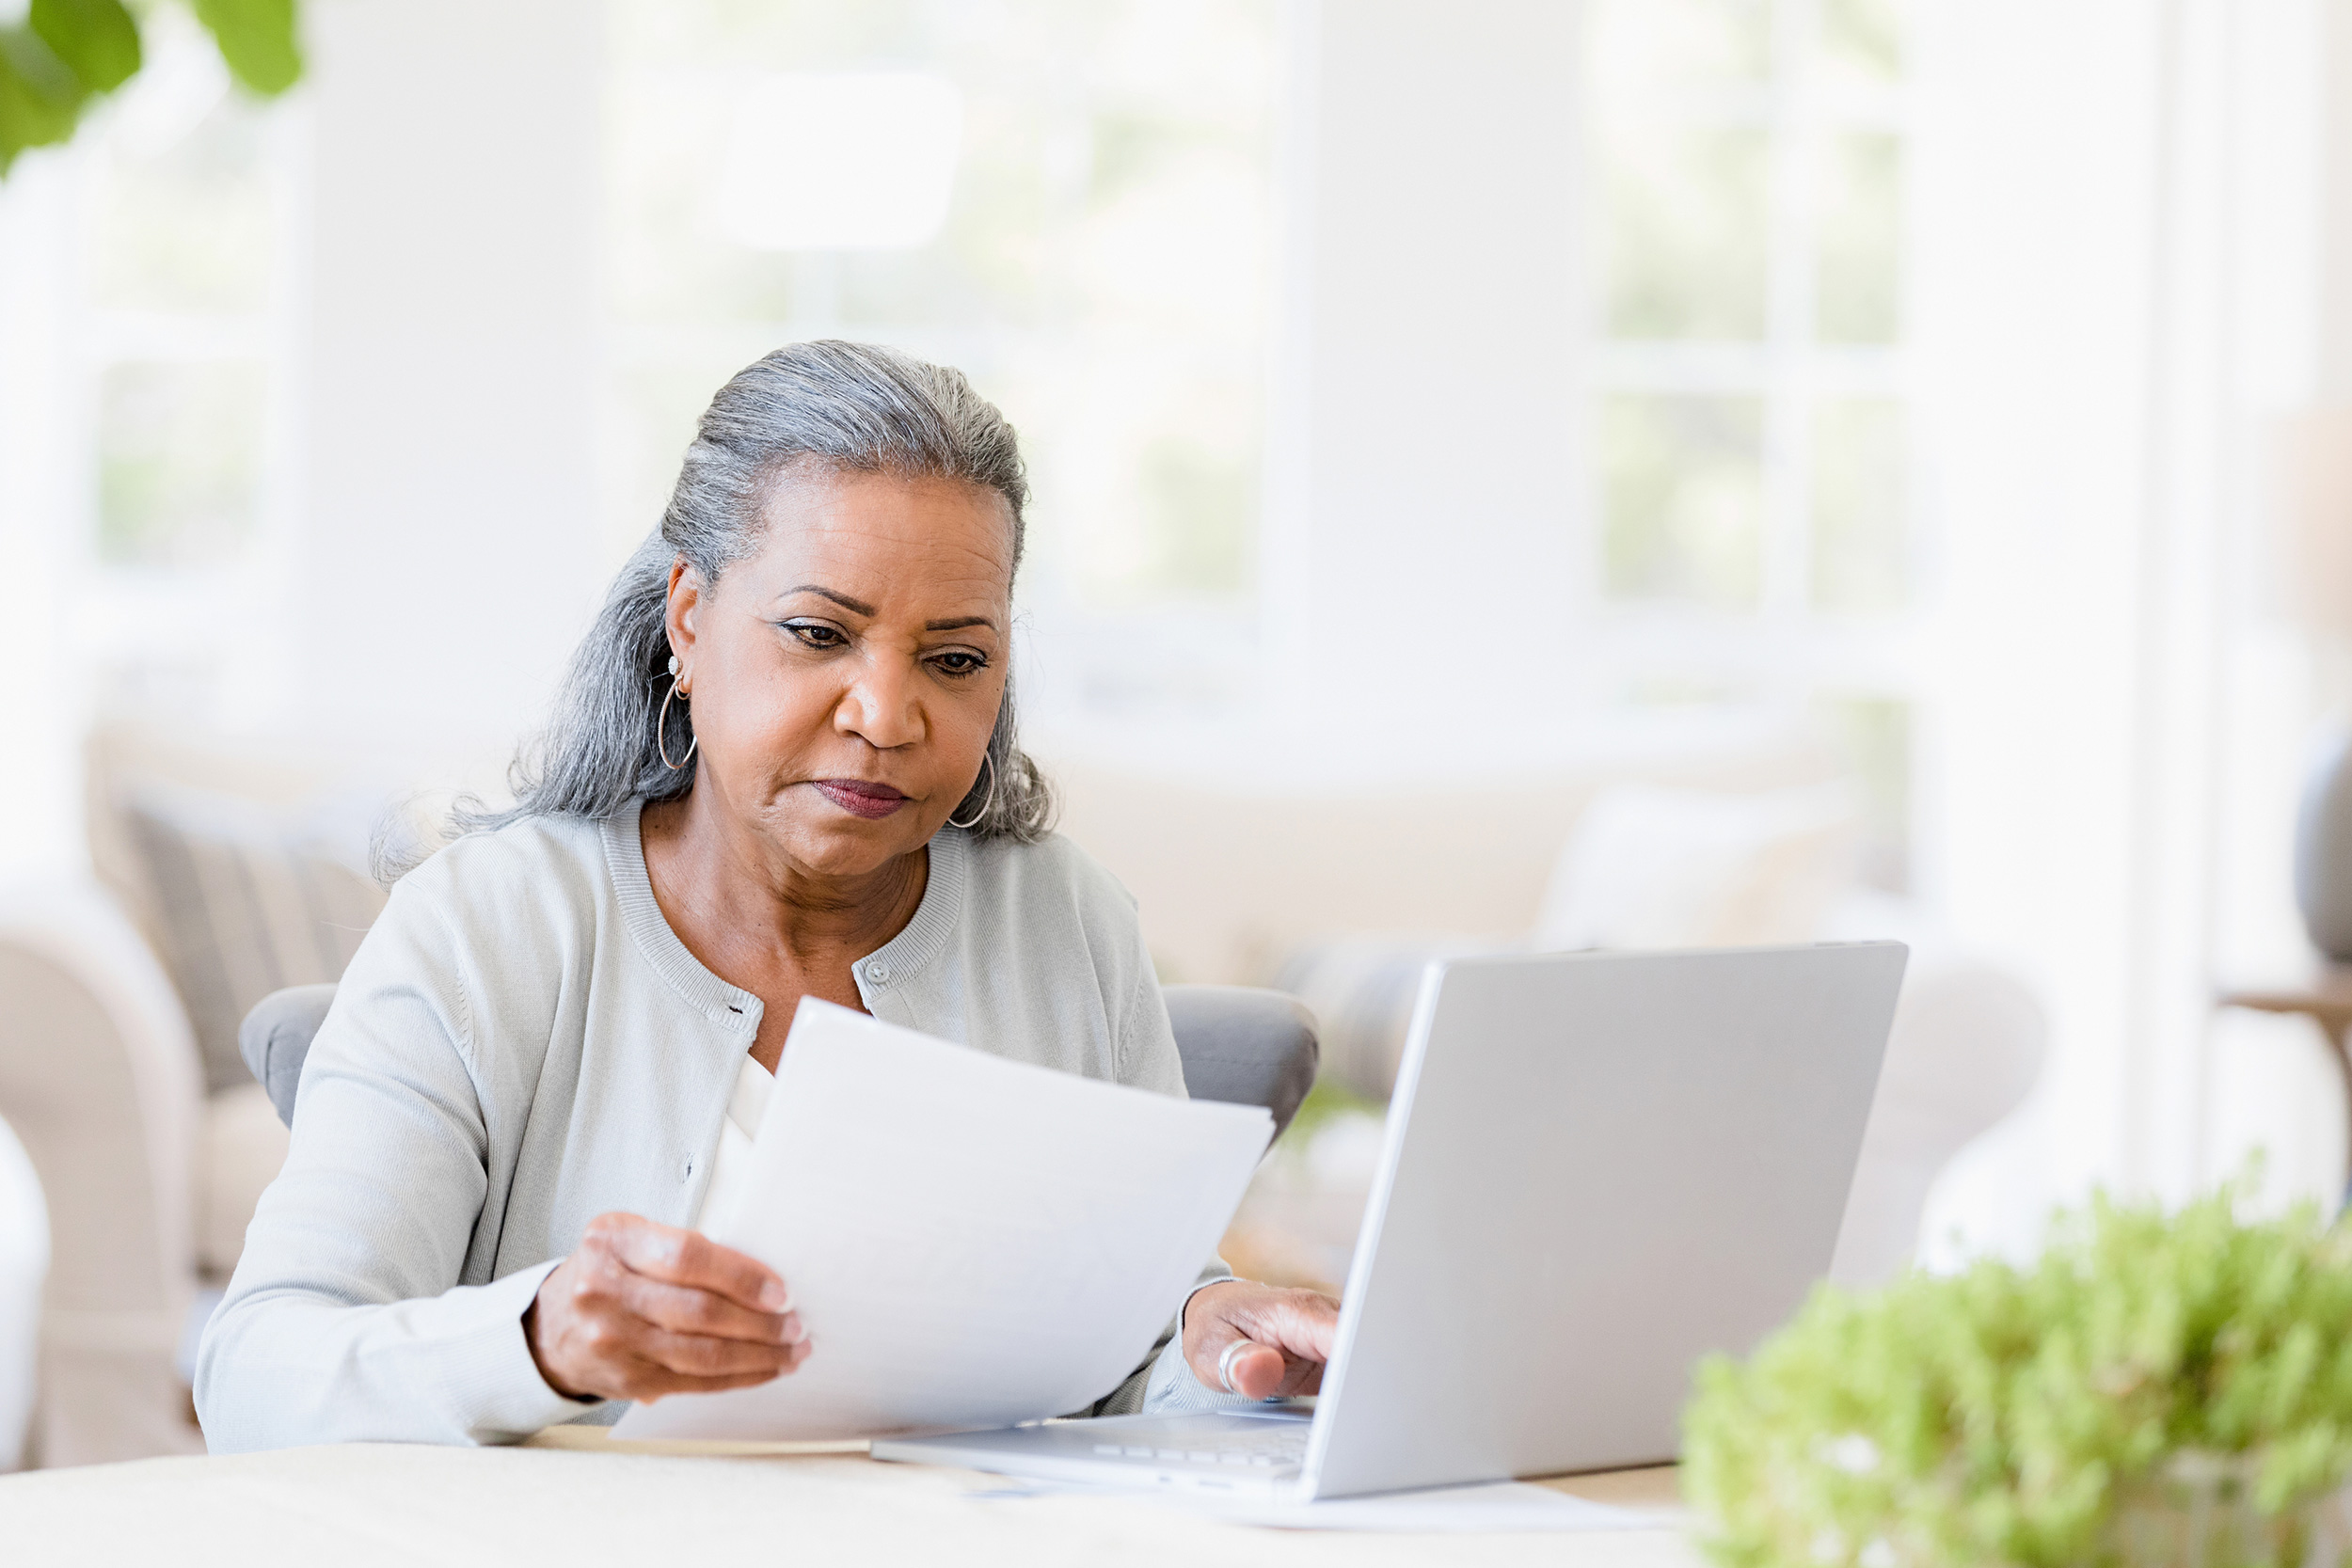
column 244, row 903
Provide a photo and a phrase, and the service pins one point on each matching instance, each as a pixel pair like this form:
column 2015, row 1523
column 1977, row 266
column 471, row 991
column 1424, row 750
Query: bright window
column 180, row 234
column 1066, row 200
column 1755, row 481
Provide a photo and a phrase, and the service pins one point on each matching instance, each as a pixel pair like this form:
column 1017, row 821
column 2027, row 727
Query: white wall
column 1420, row 530
column 2109, row 305
column 449, row 551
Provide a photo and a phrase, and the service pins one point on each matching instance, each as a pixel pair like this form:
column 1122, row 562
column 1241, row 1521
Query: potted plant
column 2158, row 1388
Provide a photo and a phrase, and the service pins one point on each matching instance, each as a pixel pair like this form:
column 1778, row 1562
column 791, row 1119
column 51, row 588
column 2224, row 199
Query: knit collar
column 935, row 918
column 731, row 1007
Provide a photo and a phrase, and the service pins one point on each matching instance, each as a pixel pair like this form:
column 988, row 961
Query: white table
column 574, row 1498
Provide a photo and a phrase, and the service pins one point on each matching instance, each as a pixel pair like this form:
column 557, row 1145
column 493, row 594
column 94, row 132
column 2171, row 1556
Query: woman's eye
column 816, row 634
column 957, row 661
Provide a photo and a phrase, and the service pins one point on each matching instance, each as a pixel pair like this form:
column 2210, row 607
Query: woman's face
column 846, row 679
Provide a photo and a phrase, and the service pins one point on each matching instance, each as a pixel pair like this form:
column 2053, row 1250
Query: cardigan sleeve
column 345, row 1322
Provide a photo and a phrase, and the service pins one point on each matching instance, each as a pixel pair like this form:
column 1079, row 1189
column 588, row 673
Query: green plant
column 66, row 54
column 2021, row 1416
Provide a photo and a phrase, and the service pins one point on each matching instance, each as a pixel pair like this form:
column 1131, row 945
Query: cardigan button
column 879, row 974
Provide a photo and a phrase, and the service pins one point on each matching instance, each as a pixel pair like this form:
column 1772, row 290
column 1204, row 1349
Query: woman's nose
column 879, row 707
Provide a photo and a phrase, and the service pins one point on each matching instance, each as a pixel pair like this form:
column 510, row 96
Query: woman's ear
column 682, row 610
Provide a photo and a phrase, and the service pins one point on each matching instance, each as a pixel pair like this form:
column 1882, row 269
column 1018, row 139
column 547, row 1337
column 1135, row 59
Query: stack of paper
column 971, row 1241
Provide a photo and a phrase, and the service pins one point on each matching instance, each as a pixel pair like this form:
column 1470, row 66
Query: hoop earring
column 988, row 759
column 661, row 725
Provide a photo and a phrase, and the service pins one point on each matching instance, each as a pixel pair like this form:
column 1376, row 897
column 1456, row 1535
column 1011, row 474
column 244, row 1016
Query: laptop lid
column 1599, row 1167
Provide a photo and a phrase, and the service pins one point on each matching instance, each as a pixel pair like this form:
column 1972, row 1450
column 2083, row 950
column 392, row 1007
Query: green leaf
column 96, row 40
column 257, row 38
column 40, row 99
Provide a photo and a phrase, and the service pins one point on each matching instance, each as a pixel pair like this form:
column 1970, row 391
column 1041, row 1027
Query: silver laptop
column 1598, row 1167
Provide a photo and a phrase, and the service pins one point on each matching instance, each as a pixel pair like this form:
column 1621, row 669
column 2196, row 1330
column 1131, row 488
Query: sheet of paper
column 971, row 1241
column 1494, row 1506
column 1508, row 1505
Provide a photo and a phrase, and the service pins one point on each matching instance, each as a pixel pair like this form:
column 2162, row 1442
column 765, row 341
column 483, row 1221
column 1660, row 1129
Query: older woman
column 785, row 766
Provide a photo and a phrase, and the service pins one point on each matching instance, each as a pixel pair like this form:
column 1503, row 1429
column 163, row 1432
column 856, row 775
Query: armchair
column 99, row 1079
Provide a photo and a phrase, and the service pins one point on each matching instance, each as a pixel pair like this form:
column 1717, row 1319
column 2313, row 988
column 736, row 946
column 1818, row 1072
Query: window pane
column 1859, row 274
column 1685, row 231
column 1861, row 547
column 1682, row 499
column 1100, row 265
column 1641, row 49
column 183, row 215
column 1147, row 485
column 1873, row 736
column 1861, row 42
column 179, row 463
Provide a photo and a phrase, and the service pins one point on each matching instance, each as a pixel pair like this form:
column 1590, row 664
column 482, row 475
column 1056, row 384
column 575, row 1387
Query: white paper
column 1492, row 1506
column 1508, row 1505
column 970, row 1241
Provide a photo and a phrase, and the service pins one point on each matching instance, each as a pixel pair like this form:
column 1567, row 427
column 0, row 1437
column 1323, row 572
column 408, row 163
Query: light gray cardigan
column 523, row 1043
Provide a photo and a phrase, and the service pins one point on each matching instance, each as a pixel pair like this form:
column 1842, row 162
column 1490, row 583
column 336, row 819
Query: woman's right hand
column 641, row 1311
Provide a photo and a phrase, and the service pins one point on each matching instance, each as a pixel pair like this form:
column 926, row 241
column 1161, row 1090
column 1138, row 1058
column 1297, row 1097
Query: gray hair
column 844, row 407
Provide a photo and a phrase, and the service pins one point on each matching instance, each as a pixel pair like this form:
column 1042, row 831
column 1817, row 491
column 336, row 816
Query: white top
column 730, row 1162
column 521, row 1043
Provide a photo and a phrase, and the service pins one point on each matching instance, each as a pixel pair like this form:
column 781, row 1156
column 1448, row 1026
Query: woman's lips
column 861, row 797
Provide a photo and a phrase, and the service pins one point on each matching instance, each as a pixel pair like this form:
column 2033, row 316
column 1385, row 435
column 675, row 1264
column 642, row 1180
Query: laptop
column 1598, row 1167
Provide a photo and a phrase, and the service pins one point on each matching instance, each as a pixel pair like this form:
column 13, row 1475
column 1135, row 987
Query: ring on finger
column 1225, row 1364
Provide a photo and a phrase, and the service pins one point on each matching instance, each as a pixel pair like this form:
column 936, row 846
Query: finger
column 1256, row 1371
column 648, row 1381
column 1217, row 1351
column 688, row 1257
column 1301, row 1324
column 683, row 1309
column 1260, row 1341
column 643, row 1376
column 697, row 1356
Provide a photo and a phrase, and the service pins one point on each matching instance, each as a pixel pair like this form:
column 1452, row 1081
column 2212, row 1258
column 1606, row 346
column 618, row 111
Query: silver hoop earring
column 988, row 760
column 661, row 726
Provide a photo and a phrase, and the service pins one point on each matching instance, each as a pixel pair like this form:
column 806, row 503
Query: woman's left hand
column 1285, row 1337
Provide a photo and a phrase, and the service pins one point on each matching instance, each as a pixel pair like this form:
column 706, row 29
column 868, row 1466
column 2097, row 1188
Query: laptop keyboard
column 1281, row 1444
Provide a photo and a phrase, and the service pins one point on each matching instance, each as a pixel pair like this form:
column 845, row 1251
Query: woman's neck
column 733, row 887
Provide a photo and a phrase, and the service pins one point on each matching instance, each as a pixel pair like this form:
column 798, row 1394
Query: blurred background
column 1520, row 472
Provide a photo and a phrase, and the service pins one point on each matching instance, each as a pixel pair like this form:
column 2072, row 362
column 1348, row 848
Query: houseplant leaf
column 96, row 40
column 257, row 38
column 40, row 99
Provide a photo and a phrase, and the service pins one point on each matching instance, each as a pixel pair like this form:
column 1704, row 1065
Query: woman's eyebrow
column 854, row 606
column 858, row 607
